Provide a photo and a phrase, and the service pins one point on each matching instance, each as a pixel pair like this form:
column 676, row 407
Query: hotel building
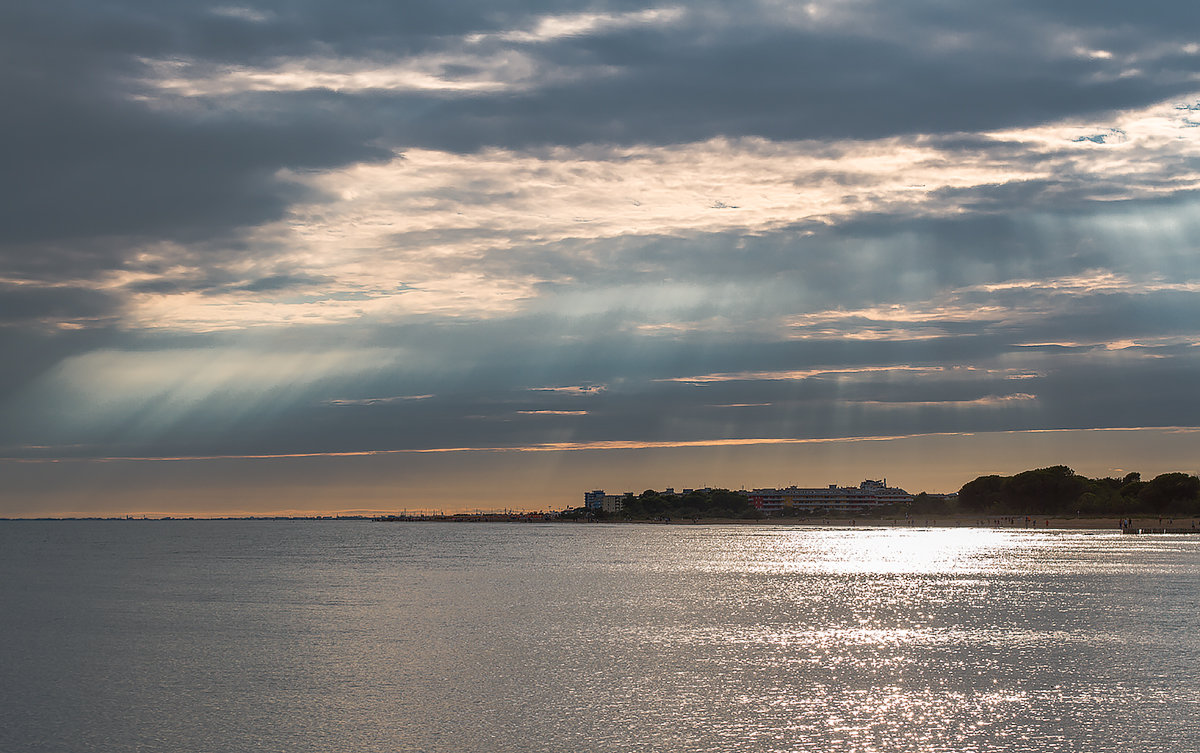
column 866, row 495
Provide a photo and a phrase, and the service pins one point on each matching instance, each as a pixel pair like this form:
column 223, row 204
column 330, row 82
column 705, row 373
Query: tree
column 1057, row 490
column 1053, row 489
column 984, row 493
column 923, row 504
column 1171, row 492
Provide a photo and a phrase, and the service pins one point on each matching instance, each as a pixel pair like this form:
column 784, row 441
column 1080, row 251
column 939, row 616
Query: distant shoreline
column 1008, row 522
column 1015, row 522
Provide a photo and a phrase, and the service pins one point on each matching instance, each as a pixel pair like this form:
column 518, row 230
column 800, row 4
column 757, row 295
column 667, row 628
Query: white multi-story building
column 598, row 500
column 866, row 495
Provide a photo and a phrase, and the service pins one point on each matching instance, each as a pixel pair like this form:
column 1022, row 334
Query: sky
column 314, row 256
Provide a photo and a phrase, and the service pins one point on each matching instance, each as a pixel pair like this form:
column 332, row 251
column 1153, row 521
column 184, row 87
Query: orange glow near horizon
column 553, row 477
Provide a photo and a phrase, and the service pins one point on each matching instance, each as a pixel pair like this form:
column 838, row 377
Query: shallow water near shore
column 358, row 636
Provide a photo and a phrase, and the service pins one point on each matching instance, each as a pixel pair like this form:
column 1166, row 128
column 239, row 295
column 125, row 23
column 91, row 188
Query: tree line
column 698, row 503
column 1058, row 490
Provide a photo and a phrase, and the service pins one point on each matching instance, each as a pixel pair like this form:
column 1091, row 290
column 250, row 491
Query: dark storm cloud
column 93, row 169
column 86, row 157
column 29, row 305
column 82, row 169
column 112, row 32
column 693, row 95
column 890, row 72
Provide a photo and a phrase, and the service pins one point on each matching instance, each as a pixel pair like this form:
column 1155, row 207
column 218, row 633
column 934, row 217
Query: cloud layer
column 280, row 228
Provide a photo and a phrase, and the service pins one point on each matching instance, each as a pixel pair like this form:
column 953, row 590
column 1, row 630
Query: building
column 833, row 498
column 598, row 500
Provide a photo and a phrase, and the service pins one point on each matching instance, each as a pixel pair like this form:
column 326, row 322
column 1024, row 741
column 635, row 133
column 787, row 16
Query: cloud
column 987, row 401
column 581, row 389
column 277, row 121
column 561, row 447
column 662, row 75
column 546, row 447
column 58, row 306
column 553, row 412
column 279, row 230
column 242, row 13
column 817, row 373
column 341, row 402
column 481, row 234
column 818, row 75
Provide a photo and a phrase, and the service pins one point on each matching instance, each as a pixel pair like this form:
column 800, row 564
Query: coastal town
column 1169, row 502
column 867, row 495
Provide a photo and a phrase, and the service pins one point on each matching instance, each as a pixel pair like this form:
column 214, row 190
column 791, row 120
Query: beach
column 963, row 521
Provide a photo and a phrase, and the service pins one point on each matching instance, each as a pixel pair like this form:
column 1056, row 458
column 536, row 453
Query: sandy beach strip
column 957, row 521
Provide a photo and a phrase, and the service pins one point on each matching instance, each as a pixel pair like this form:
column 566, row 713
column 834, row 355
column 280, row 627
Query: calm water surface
column 355, row 636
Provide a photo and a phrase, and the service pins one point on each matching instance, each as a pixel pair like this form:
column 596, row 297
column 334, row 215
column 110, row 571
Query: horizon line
column 604, row 444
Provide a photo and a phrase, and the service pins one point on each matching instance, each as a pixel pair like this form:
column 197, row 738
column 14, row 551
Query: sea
column 256, row 635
